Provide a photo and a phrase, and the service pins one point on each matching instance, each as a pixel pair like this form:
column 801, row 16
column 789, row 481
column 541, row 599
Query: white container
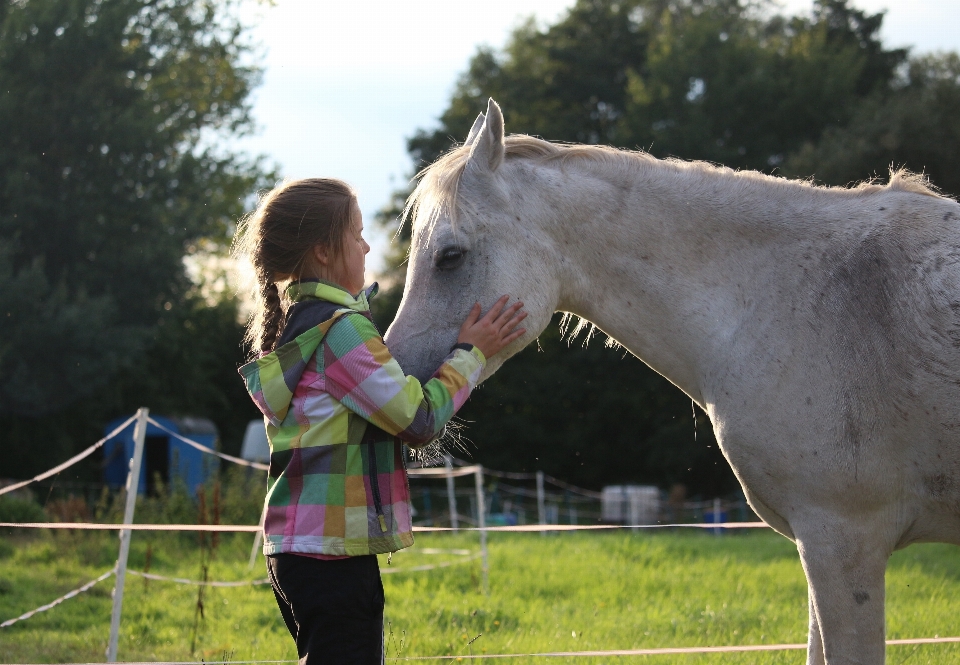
column 631, row 504
column 256, row 448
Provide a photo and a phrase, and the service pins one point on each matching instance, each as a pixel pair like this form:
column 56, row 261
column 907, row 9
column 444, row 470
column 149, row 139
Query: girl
column 337, row 407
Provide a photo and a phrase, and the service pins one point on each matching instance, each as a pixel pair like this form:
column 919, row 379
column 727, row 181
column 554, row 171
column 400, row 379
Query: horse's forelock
column 436, row 190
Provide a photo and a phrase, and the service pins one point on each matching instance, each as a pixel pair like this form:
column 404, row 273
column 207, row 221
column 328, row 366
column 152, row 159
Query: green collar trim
column 323, row 290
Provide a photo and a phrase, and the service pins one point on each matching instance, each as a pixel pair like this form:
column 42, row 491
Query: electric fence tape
column 466, row 554
column 661, row 651
column 436, row 472
column 67, row 596
column 70, row 462
column 253, row 528
column 209, row 451
column 183, row 580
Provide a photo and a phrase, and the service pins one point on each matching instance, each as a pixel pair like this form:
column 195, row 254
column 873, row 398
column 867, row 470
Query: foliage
column 17, row 509
column 188, row 368
column 592, row 431
column 727, row 81
column 700, row 79
column 234, row 497
column 191, row 369
column 567, row 592
column 109, row 175
column 914, row 125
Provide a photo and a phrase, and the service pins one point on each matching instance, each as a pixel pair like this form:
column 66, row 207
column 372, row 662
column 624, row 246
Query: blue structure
column 163, row 454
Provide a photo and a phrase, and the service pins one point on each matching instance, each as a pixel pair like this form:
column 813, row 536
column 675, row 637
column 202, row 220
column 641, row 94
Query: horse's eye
column 450, row 258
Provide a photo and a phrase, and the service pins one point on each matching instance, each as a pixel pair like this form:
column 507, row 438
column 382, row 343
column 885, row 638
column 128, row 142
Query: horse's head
column 474, row 239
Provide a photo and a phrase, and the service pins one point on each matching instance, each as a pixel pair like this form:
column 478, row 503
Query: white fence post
column 482, row 523
column 133, row 485
column 451, row 496
column 541, row 504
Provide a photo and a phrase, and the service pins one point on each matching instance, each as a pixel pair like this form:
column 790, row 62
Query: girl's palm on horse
column 495, row 329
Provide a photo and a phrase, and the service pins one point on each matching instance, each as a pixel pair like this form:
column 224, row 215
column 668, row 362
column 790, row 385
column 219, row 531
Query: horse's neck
column 666, row 262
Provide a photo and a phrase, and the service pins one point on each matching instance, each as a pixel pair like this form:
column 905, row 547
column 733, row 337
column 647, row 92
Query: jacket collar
column 322, row 290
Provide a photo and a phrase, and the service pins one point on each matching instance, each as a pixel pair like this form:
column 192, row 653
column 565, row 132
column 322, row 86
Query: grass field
column 568, row 592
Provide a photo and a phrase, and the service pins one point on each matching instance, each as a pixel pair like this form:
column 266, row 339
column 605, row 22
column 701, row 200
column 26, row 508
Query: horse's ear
column 477, row 126
column 487, row 151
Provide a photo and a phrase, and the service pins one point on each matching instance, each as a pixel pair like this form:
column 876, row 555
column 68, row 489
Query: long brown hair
column 277, row 237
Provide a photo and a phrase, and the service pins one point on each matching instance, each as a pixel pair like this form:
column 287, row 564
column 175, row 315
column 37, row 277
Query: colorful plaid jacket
column 337, row 406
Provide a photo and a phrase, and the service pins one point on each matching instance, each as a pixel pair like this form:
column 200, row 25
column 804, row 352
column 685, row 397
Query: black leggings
column 332, row 608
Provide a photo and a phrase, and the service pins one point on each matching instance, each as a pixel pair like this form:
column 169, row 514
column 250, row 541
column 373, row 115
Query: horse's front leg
column 814, row 641
column 845, row 568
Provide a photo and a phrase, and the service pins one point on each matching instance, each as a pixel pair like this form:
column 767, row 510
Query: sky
column 346, row 83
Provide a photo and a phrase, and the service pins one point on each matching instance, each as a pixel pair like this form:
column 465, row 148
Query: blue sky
column 346, row 83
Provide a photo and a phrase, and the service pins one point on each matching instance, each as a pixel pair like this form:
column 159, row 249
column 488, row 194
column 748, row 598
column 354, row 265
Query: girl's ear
column 321, row 254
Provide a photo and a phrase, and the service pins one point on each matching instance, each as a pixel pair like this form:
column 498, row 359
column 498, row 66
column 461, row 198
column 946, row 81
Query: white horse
column 818, row 327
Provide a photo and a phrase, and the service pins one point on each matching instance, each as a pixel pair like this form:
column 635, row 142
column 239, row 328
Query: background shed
column 163, row 454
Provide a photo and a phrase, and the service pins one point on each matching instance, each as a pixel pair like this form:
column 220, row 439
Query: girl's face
column 348, row 269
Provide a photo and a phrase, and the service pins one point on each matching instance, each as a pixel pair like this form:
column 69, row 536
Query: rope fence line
column 248, row 528
column 430, row 566
column 183, row 580
column 210, row 451
column 515, row 475
column 70, row 462
column 89, row 585
column 466, row 554
column 96, row 526
column 463, row 469
column 663, row 651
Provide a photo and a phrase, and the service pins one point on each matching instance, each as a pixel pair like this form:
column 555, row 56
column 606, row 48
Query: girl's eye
column 450, row 258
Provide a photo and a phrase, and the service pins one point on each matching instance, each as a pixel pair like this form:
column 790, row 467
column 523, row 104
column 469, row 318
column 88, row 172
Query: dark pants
column 333, row 609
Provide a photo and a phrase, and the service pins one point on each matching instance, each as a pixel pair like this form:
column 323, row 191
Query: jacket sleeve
column 360, row 372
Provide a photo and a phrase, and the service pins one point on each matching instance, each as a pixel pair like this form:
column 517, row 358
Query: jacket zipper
column 375, row 486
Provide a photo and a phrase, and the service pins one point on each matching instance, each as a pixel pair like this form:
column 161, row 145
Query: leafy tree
column 914, row 125
column 725, row 86
column 109, row 175
column 721, row 80
column 699, row 79
column 104, row 178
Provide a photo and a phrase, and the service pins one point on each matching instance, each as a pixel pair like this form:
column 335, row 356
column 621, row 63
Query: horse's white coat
column 818, row 327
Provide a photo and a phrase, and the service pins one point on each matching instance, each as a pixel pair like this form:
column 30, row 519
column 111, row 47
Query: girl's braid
column 272, row 316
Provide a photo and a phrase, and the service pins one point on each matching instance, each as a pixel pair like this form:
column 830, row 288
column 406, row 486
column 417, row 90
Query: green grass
column 567, row 592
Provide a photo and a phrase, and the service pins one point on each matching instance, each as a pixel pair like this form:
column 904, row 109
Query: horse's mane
column 438, row 183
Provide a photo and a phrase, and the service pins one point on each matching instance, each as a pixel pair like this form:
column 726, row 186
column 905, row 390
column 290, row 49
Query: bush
column 14, row 509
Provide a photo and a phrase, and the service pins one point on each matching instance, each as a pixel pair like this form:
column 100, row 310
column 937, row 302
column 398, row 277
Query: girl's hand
column 495, row 329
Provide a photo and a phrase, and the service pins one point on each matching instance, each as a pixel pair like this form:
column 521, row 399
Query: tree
column 109, row 175
column 721, row 80
column 105, row 178
column 915, row 125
